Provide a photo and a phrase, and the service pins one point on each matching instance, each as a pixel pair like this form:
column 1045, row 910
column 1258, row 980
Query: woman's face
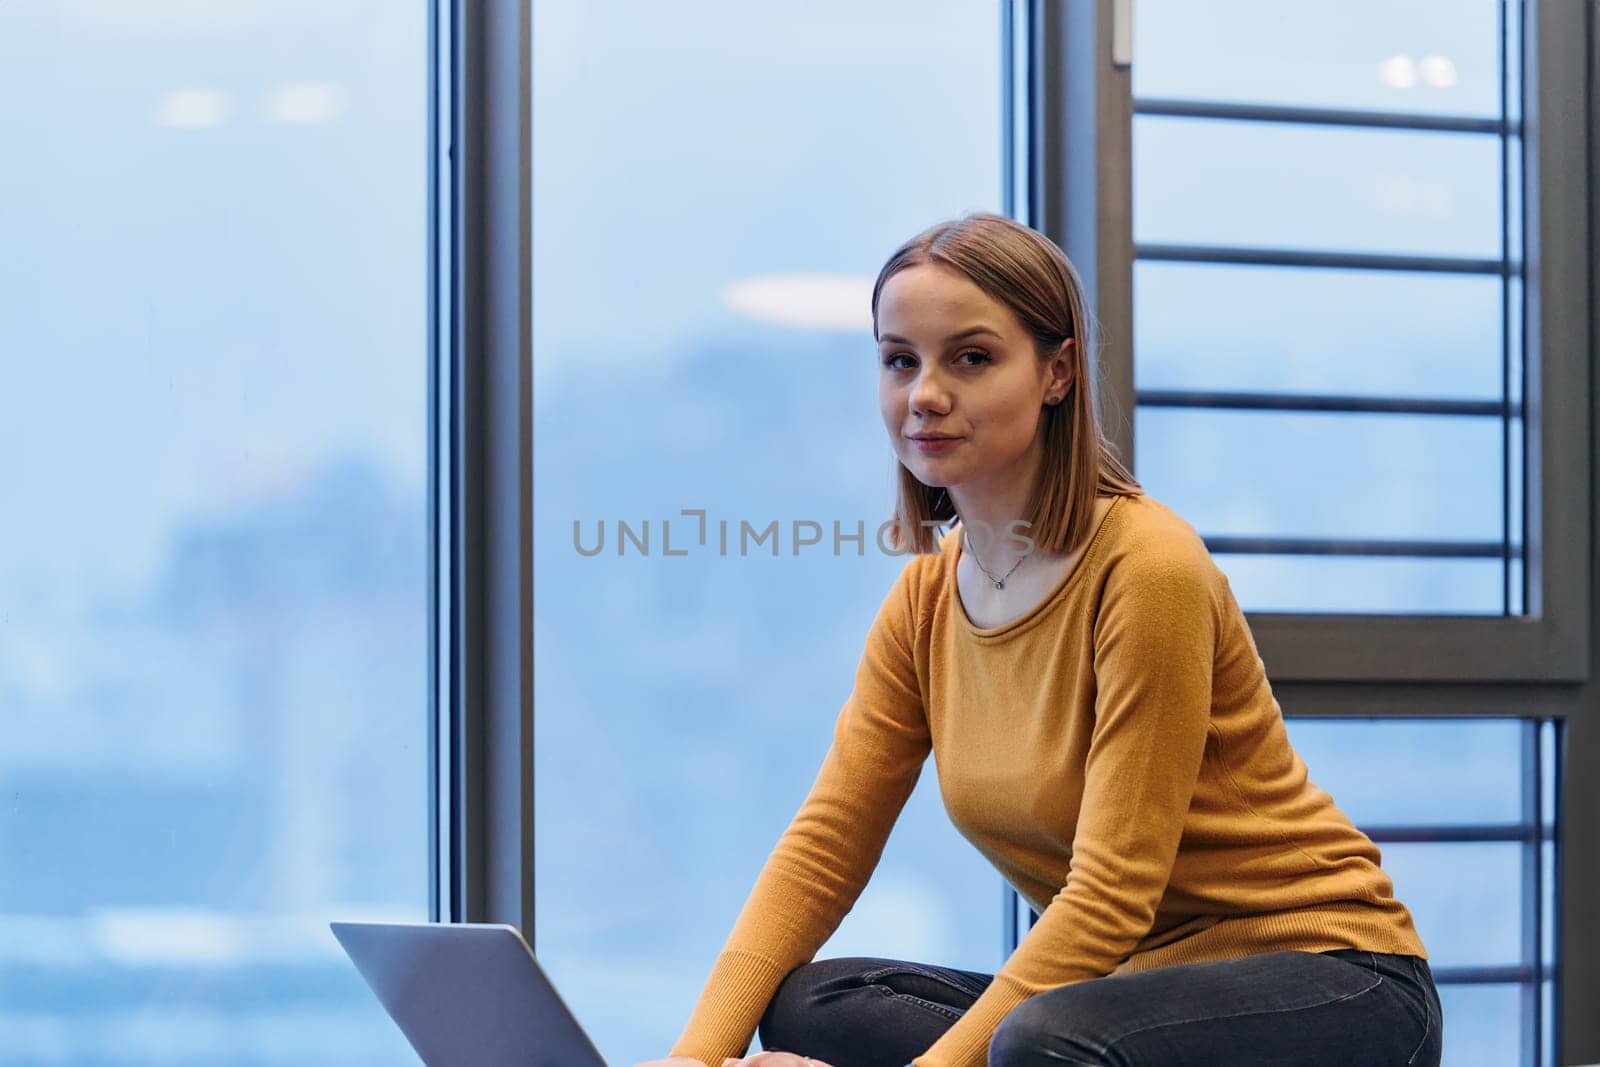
column 986, row 389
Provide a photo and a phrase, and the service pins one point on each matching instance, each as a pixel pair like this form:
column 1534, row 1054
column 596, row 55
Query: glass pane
column 1362, row 585
column 1409, row 772
column 1466, row 899
column 1424, row 56
column 697, row 348
column 1483, row 1025
column 1549, row 747
column 1547, row 1032
column 1320, row 188
column 1331, row 332
column 213, row 659
column 1378, row 476
column 1515, row 516
column 1547, row 885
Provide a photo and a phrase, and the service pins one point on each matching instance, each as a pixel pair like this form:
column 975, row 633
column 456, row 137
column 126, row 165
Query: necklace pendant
column 1000, row 583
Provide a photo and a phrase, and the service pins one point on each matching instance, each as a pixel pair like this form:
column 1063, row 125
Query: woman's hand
column 760, row 1059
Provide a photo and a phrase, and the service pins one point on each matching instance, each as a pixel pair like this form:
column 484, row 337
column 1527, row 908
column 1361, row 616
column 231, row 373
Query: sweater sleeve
column 1154, row 642
column 823, row 860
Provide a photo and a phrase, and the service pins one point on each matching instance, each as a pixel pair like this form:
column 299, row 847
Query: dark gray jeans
column 1305, row 1008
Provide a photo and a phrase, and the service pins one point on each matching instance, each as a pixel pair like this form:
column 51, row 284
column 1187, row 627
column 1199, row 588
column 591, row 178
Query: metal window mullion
column 1506, row 296
column 1007, row 110
column 1314, row 116
column 441, row 853
column 1530, row 992
column 1557, row 823
column 1483, row 974
column 491, row 658
column 1532, row 889
column 1228, row 544
column 1526, row 832
column 1320, row 402
column 1247, row 256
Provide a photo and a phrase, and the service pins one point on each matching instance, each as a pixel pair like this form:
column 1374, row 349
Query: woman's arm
column 824, row 859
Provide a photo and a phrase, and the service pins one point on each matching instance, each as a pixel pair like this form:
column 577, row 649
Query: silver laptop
column 467, row 994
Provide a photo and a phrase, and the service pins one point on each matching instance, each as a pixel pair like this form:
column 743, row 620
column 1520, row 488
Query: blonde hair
column 1027, row 272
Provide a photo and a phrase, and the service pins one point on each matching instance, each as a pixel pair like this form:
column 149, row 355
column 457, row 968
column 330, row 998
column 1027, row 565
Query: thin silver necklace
column 1000, row 582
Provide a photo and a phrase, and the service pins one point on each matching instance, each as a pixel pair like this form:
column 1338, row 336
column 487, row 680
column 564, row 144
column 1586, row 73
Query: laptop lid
column 467, row 994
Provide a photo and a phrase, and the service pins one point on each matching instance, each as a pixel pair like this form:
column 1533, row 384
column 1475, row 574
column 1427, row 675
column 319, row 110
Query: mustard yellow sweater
column 1116, row 753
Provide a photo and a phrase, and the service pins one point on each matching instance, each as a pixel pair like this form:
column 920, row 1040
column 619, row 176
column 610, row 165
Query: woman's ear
column 1064, row 366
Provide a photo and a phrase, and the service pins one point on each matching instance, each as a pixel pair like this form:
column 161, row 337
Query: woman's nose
column 929, row 393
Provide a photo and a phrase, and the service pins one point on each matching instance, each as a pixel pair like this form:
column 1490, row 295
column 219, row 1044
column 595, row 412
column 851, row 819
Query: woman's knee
column 790, row 1016
column 1036, row 1034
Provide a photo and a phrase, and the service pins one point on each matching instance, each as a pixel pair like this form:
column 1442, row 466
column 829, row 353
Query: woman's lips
column 935, row 444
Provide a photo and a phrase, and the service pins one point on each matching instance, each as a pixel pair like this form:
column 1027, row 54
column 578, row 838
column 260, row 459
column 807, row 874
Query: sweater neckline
column 1028, row 617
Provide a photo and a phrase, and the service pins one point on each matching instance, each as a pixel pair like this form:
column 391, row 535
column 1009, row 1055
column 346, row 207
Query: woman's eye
column 983, row 357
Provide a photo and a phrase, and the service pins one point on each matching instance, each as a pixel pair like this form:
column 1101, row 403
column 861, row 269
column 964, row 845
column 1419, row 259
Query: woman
column 1103, row 732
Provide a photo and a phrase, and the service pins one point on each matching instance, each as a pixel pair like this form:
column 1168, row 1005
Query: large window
column 715, row 186
column 213, row 608
column 1328, row 352
column 1343, row 257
